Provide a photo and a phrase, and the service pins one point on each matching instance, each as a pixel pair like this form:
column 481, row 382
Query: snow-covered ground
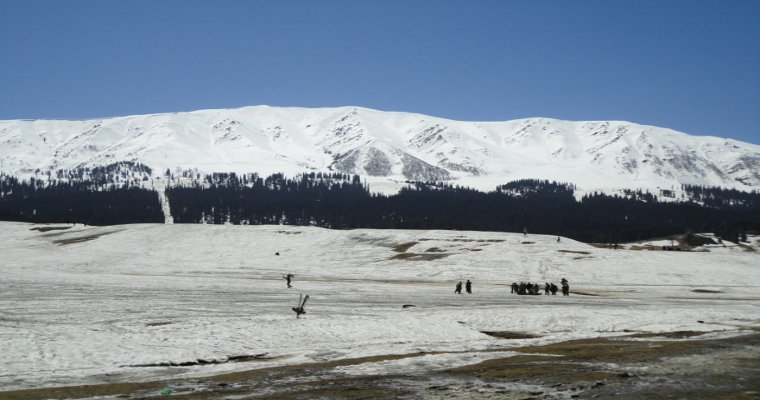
column 752, row 244
column 101, row 304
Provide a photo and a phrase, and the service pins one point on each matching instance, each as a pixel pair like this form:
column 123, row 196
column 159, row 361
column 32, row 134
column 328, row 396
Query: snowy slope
column 385, row 147
column 92, row 304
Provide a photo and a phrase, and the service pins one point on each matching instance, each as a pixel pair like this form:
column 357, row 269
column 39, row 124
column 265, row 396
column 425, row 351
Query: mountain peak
column 382, row 145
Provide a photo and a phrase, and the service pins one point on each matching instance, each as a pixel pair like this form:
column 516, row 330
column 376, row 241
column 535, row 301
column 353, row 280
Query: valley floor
column 205, row 310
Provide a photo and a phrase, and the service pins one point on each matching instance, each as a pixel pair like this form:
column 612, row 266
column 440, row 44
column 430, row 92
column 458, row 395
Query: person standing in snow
column 553, row 288
column 468, row 286
column 458, row 289
column 288, row 279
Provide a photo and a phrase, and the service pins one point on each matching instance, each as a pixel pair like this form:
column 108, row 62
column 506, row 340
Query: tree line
column 108, row 195
column 341, row 201
column 119, row 194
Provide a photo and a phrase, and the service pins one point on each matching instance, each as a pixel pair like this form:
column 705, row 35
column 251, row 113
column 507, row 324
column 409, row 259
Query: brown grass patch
column 81, row 239
column 50, row 228
column 588, row 368
column 162, row 323
column 434, row 250
column 511, row 335
column 400, row 248
column 419, row 257
column 574, row 251
column 78, row 392
column 583, row 364
column 669, row 335
column 705, row 291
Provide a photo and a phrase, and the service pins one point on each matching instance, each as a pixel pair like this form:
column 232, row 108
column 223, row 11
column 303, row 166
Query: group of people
column 523, row 288
column 467, row 287
column 535, row 289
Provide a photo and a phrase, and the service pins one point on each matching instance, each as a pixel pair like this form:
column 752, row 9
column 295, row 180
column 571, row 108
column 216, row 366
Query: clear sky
column 689, row 65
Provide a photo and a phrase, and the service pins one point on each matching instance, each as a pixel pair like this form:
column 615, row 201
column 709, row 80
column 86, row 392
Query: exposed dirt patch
column 161, row 323
column 435, row 250
column 527, row 242
column 400, row 248
column 81, row 239
column 669, row 335
column 617, row 368
column 467, row 240
column 627, row 369
column 241, row 358
column 82, row 391
column 419, row 257
column 647, row 247
column 511, row 335
column 705, row 291
column 574, row 251
column 583, row 293
column 50, row 228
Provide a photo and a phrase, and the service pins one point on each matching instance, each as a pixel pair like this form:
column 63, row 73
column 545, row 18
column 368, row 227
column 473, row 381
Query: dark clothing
column 458, row 288
column 468, row 286
column 553, row 288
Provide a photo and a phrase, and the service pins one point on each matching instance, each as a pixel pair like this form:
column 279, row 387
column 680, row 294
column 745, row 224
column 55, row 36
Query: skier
column 547, row 288
column 468, row 286
column 299, row 309
column 458, row 289
column 557, row 239
column 288, row 278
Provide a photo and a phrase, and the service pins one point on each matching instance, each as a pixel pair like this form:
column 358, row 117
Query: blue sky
column 693, row 66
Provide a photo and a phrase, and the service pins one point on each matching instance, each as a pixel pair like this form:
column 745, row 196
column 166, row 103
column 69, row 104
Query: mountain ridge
column 385, row 147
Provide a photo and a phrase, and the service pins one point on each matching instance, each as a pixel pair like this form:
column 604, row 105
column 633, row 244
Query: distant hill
column 385, row 147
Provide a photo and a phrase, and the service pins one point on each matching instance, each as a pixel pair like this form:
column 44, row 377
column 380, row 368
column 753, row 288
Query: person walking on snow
column 288, row 279
column 458, row 289
column 468, row 286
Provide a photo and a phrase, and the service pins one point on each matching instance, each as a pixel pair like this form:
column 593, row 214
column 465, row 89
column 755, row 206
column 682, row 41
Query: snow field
column 98, row 304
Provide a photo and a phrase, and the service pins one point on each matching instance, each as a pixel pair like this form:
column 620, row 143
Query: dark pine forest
column 342, row 201
column 100, row 196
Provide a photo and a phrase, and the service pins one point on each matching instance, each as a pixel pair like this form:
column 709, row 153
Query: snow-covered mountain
column 385, row 147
